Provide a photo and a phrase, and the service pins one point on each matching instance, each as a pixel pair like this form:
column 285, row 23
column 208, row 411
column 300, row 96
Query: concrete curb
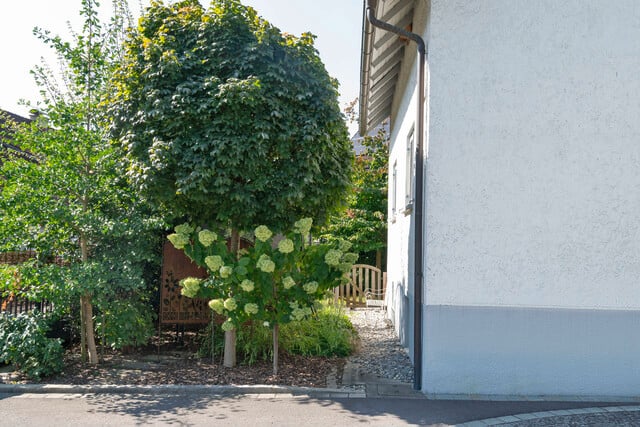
column 267, row 390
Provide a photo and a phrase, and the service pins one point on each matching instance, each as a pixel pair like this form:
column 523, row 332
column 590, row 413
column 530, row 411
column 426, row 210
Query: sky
column 336, row 23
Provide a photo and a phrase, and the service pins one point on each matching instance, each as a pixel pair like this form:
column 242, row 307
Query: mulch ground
column 179, row 364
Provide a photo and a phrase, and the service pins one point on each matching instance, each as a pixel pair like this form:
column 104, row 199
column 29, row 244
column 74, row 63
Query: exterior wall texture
column 532, row 198
column 400, row 286
column 534, row 169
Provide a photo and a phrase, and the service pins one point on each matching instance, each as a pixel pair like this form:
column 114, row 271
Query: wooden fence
column 9, row 303
column 363, row 278
column 174, row 308
column 14, row 306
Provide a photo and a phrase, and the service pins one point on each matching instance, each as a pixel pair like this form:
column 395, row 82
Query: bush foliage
column 24, row 343
column 328, row 332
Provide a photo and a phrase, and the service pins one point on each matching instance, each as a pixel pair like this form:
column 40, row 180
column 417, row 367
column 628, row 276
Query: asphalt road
column 248, row 410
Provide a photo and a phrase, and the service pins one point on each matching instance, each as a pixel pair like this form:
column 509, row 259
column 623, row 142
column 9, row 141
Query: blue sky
column 336, row 23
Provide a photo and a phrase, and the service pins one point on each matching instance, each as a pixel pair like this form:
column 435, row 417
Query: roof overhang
column 381, row 60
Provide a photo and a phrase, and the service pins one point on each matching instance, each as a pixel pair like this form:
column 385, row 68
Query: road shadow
column 230, row 409
column 440, row 412
column 164, row 408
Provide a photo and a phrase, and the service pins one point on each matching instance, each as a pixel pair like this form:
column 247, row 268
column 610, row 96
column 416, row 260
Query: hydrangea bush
column 273, row 282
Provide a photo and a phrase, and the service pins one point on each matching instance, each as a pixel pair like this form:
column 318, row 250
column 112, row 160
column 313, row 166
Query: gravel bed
column 380, row 353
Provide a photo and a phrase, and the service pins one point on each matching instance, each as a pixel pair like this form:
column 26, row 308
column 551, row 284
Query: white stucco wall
column 534, row 162
column 532, row 199
column 400, row 288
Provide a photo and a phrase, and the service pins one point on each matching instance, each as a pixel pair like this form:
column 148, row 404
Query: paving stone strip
column 624, row 416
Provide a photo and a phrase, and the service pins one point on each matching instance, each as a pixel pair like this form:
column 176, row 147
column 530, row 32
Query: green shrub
column 126, row 322
column 253, row 343
column 23, row 343
column 327, row 333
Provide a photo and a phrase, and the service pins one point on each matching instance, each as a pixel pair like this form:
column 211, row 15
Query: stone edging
column 276, row 391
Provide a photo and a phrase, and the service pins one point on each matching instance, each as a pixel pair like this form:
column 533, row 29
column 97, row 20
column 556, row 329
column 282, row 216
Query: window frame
column 410, row 169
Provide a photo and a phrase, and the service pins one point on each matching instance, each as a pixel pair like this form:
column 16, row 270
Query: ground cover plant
column 328, row 333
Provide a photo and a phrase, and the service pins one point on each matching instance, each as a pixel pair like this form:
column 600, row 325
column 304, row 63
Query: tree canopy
column 364, row 222
column 226, row 120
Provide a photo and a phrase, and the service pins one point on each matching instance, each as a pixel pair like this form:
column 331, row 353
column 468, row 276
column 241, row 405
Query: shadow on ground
column 267, row 409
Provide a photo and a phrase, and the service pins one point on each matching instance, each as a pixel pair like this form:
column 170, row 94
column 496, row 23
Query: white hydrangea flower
column 350, row 257
column 247, row 285
column 228, row 325
column 310, row 287
column 285, row 246
column 251, row 308
column 207, row 237
column 303, row 226
column 230, row 304
column 179, row 241
column 344, row 245
column 263, row 233
column 332, row 257
column 225, row 271
column 217, row 305
column 214, row 262
column 266, row 264
column 190, row 286
column 288, row 282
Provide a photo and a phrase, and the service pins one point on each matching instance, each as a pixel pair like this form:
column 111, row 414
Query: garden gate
column 366, row 282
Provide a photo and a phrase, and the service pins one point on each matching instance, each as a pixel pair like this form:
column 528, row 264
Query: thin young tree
column 72, row 202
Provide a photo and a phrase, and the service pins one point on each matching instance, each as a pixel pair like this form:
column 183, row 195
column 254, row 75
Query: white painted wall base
column 511, row 351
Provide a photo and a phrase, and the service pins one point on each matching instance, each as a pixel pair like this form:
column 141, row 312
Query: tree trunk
column 235, row 241
column 229, row 349
column 276, row 332
column 86, row 309
column 379, row 259
column 83, row 336
column 230, row 336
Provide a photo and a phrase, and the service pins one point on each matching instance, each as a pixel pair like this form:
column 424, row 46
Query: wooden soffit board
column 381, row 60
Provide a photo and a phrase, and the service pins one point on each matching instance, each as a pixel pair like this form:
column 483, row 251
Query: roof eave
column 380, row 61
column 365, row 65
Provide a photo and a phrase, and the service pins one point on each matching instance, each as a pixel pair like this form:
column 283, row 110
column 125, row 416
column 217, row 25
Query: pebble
column 380, row 353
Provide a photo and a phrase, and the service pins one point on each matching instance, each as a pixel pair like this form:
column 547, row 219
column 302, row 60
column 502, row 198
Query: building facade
column 531, row 207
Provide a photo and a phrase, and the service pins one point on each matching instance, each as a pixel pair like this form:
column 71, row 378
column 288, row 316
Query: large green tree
column 364, row 221
column 228, row 122
column 69, row 200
